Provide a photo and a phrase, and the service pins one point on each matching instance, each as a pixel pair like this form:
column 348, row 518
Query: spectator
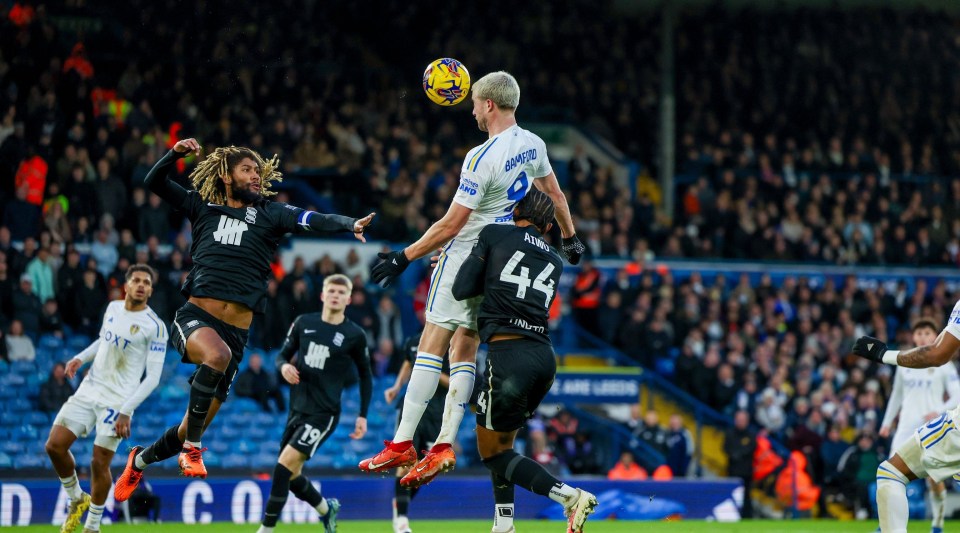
column 627, row 469
column 770, row 412
column 56, row 390
column 389, row 320
column 582, row 459
column 858, row 470
column 586, row 297
column 739, row 445
column 795, row 488
column 562, row 431
column 145, row 505
column 19, row 345
column 110, row 190
column 679, row 443
column 260, row 385
column 651, row 433
column 89, row 304
column 50, row 321
column 69, row 280
column 355, row 269
column 21, row 217
column 26, row 306
column 105, row 253
column 154, row 220
column 41, row 275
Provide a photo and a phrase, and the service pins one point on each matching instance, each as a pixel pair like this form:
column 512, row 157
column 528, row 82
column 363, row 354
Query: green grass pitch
column 523, row 526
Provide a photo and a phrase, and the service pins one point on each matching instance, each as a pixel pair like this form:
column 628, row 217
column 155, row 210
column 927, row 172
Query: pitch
column 527, row 526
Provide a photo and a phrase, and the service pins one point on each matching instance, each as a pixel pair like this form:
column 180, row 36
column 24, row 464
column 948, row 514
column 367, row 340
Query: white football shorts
column 442, row 309
column 81, row 415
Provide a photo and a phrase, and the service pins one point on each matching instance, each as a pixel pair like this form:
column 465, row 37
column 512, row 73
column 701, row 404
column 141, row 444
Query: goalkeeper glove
column 393, row 264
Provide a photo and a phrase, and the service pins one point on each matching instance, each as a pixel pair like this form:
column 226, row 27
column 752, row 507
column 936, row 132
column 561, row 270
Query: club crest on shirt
column 338, row 339
column 134, row 329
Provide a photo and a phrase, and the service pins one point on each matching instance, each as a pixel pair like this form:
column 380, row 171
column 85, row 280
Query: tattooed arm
column 937, row 354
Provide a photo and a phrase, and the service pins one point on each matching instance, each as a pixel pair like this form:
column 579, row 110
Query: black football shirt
column 324, row 355
column 519, row 277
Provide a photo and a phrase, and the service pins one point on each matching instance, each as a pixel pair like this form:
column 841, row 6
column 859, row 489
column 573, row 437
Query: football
column 446, row 81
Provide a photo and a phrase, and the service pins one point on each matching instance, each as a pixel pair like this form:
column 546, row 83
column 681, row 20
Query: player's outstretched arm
column 394, row 263
column 88, row 354
column 573, row 249
column 931, row 355
column 158, row 179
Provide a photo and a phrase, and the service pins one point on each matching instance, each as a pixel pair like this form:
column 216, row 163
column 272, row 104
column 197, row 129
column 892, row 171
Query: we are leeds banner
column 604, row 385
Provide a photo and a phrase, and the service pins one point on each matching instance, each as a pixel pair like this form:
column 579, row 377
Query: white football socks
column 462, row 376
column 503, row 518
column 423, row 383
column 937, row 502
column 892, row 499
column 93, row 517
column 72, row 486
column 564, row 494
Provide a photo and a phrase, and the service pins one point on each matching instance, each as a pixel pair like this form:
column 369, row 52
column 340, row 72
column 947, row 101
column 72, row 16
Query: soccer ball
column 446, row 81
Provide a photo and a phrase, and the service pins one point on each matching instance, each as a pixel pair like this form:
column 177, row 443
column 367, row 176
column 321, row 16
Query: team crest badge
column 134, row 329
column 338, row 339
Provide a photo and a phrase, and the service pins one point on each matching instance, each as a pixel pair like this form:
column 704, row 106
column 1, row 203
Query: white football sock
column 423, row 383
column 937, row 501
column 323, row 507
column 564, row 494
column 462, row 376
column 265, row 529
column 139, row 462
column 502, row 517
column 191, row 443
column 93, row 517
column 892, row 499
column 72, row 486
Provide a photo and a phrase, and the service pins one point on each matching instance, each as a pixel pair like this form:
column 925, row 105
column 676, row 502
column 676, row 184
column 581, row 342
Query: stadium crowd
column 815, row 172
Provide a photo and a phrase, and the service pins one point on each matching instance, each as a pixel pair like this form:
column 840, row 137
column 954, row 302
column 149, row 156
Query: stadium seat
column 13, row 447
column 216, row 445
column 246, row 446
column 235, row 460
column 5, row 461
column 23, row 368
column 37, row 419
column 18, row 405
column 30, row 460
column 263, row 461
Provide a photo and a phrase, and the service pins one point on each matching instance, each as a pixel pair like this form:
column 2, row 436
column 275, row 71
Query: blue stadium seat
column 216, row 445
column 25, row 433
column 18, row 405
column 50, row 342
column 271, row 447
column 37, row 419
column 258, row 433
column 23, row 368
column 263, row 461
column 12, row 381
column 246, row 446
column 229, row 432
column 245, row 405
column 6, row 461
column 10, row 419
column 32, row 460
column 13, row 447
column 235, row 460
column 78, row 342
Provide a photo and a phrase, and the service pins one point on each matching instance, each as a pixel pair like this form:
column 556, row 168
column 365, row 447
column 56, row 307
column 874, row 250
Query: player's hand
column 870, row 348
column 290, row 373
column 573, row 249
column 186, row 146
column 393, row 264
column 360, row 225
column 72, row 366
column 122, row 427
column 884, row 431
column 390, row 394
column 359, row 429
column 434, row 259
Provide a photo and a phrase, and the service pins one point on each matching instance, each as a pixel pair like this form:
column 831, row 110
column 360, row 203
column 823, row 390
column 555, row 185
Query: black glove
column 573, row 249
column 393, row 264
column 870, row 348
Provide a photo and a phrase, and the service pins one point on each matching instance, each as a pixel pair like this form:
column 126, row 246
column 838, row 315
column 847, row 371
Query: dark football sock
column 404, row 496
column 303, row 489
column 165, row 447
column 202, row 390
column 522, row 471
column 502, row 489
column 278, row 495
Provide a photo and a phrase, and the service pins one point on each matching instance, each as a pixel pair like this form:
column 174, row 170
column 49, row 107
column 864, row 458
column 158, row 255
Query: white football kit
column 938, row 453
column 918, row 392
column 129, row 343
column 495, row 176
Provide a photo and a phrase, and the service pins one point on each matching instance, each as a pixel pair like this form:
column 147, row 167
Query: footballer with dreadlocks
column 236, row 232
